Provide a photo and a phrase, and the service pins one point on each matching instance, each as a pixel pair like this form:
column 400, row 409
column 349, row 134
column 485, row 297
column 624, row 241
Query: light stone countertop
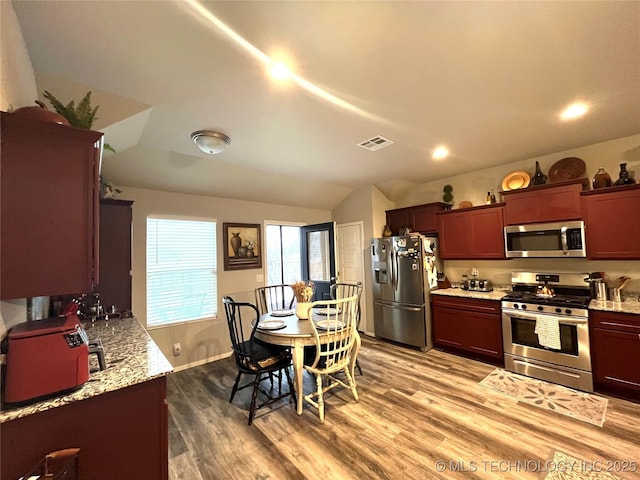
column 131, row 357
column 630, row 303
column 495, row 294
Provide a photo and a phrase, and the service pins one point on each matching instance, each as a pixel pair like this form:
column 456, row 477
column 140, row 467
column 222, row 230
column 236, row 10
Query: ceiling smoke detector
column 375, row 143
column 210, row 142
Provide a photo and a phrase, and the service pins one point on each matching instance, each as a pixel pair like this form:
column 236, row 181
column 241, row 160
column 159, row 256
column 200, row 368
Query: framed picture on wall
column 242, row 246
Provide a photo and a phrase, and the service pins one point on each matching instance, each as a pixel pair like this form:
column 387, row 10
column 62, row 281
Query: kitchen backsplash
column 499, row 271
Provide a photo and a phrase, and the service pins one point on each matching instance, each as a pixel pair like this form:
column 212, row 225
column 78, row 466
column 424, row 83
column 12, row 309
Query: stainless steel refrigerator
column 404, row 271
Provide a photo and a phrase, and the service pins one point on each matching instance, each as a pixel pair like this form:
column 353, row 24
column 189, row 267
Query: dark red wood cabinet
column 615, row 352
column 553, row 202
column 611, row 221
column 114, row 286
column 420, row 218
column 467, row 324
column 472, row 233
column 49, row 208
column 121, row 434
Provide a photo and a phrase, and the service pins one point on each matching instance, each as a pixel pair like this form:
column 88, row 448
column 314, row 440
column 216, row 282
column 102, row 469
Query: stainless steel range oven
column 545, row 324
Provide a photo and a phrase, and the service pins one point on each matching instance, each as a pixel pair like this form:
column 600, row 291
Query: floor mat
column 566, row 467
column 573, row 403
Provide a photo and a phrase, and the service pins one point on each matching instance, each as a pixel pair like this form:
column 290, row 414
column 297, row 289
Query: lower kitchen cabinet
column 615, row 353
column 472, row 233
column 121, row 434
column 469, row 325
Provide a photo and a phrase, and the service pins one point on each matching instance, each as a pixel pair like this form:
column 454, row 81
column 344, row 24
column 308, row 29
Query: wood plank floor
column 416, row 411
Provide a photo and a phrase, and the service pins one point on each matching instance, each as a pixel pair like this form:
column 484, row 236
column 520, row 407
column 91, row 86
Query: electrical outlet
column 177, row 349
column 259, row 278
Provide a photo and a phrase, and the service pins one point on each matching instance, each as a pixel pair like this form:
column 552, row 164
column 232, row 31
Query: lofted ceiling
column 486, row 79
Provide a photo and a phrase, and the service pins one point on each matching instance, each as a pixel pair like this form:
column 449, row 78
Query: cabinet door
column 472, row 233
column 397, row 219
column 423, row 217
column 487, row 235
column 543, row 204
column 616, row 357
column 114, row 286
column 612, row 229
column 49, row 198
column 454, row 233
column 449, row 328
column 486, row 338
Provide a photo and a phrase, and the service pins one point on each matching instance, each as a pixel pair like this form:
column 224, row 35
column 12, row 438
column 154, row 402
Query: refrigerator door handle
column 394, row 270
column 399, row 307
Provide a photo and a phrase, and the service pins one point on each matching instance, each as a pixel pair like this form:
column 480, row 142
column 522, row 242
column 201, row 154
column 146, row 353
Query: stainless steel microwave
column 542, row 240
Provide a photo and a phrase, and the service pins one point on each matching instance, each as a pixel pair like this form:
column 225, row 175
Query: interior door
column 317, row 252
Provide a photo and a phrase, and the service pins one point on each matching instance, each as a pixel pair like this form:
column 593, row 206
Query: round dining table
column 298, row 333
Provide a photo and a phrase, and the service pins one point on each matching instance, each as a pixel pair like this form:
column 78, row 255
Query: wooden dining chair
column 335, row 336
column 274, row 297
column 259, row 359
column 344, row 290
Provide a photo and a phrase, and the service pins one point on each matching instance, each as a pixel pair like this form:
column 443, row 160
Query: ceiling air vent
column 375, row 143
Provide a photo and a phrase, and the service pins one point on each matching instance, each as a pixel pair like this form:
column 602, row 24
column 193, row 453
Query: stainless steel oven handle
column 563, row 237
column 531, row 316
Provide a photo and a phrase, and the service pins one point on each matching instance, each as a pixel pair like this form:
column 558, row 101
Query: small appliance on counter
column 46, row 356
column 477, row 285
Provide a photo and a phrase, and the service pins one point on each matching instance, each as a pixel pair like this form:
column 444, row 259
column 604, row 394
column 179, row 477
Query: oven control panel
column 545, row 309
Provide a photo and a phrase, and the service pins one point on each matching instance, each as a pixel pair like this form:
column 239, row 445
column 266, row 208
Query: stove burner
column 559, row 300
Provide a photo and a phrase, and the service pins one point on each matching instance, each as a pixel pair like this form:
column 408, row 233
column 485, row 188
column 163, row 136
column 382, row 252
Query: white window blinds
column 181, row 271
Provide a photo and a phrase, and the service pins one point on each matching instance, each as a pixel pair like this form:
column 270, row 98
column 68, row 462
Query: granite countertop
column 495, row 294
column 630, row 303
column 131, row 357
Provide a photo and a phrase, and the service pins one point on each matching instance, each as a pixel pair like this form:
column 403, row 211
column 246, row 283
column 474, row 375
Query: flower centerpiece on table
column 303, row 291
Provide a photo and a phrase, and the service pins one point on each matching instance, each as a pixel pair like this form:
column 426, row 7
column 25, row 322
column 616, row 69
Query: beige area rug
column 566, row 467
column 573, row 403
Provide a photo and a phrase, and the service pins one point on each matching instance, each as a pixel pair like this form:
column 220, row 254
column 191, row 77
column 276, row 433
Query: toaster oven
column 45, row 357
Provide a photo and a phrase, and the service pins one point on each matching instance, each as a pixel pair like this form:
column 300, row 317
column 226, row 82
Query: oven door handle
column 532, row 316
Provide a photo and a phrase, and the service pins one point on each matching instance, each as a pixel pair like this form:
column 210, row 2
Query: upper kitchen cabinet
column 611, row 222
column 49, row 180
column 472, row 233
column 553, row 202
column 420, row 218
column 114, row 286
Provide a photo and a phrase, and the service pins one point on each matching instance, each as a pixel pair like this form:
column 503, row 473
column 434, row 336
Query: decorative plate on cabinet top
column 516, row 180
column 568, row 168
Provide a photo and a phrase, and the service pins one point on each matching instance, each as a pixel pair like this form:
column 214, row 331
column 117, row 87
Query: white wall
column 207, row 339
column 17, row 81
column 474, row 186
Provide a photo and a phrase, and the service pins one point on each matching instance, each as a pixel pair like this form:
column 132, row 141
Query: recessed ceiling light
column 575, row 110
column 279, row 71
column 440, row 153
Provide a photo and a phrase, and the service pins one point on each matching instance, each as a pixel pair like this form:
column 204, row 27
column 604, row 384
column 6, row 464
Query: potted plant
column 447, row 196
column 82, row 116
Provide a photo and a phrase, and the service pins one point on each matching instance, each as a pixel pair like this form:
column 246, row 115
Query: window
column 283, row 254
column 181, row 270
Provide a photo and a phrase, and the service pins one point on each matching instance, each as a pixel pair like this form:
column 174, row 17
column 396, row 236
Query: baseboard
column 179, row 368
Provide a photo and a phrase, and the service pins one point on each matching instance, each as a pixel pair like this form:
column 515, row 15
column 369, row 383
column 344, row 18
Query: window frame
column 187, row 218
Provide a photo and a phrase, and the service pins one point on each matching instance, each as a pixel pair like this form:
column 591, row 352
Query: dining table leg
column 298, row 374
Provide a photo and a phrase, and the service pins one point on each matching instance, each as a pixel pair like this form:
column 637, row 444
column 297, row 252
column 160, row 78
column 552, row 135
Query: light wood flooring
column 415, row 410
